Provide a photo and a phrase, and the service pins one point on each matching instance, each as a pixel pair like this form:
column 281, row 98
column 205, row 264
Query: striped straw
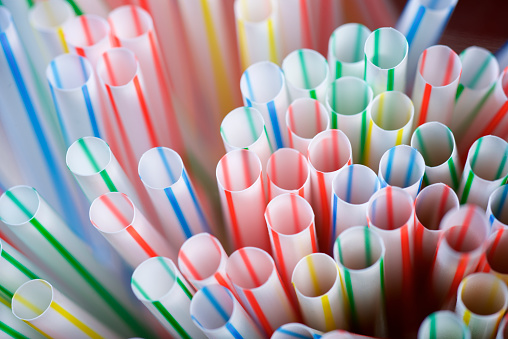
column 503, row 329
column 497, row 209
column 12, row 327
column 443, row 324
column 493, row 261
column 295, row 330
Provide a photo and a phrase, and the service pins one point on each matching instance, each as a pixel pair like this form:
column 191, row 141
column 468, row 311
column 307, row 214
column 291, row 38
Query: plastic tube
column 263, row 87
column 359, row 253
column 497, row 209
column 12, row 327
column 295, row 330
column 493, row 261
column 242, row 199
column 484, row 171
column 158, row 284
column 345, row 53
column 435, row 85
column 218, row 314
column 503, row 329
column 328, row 152
column 386, row 52
column 482, row 300
column 304, row 119
column 352, row 188
column 502, row 55
column 347, row 100
column 436, row 144
column 443, row 324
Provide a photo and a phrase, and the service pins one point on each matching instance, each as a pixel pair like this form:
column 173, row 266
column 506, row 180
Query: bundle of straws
column 360, row 195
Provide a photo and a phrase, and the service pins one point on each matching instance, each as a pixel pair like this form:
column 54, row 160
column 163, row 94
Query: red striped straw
column 494, row 259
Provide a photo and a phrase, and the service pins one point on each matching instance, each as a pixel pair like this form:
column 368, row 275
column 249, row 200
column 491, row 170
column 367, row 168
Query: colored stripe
column 75, row 321
column 349, row 184
column 280, row 256
column 292, row 334
column 351, row 298
column 305, row 28
column 363, row 137
column 103, row 173
column 422, row 148
column 433, row 326
column 338, row 69
column 501, row 167
column 467, row 317
column 467, row 187
column 496, row 120
column 59, row 115
column 234, row 222
column 86, row 30
column 141, row 242
column 249, row 267
column 218, row 307
column 500, row 206
column 197, row 206
column 11, row 332
column 171, row 320
column 334, row 215
column 368, row 250
column 312, row 274
column 468, row 121
column 425, row 104
column 406, row 259
column 303, row 67
column 146, row 115
column 249, row 87
column 460, row 89
column 449, row 69
column 19, row 266
column 7, row 296
column 398, row 138
column 453, row 173
column 75, row 7
column 327, row 311
column 233, row 331
column 172, row 274
column 272, row 47
column 410, row 167
column 375, row 57
column 415, row 25
column 178, row 212
column 389, row 206
column 90, row 110
column 480, row 71
column 188, row 263
column 459, row 275
column 368, row 142
column 242, row 41
column 61, row 37
column 272, row 112
column 250, row 123
column 325, row 207
column 389, row 165
column 391, row 79
column 257, row 311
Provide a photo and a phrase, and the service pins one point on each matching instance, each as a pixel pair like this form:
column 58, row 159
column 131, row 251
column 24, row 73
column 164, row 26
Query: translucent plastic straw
column 306, row 73
column 485, row 170
column 288, row 172
column 423, row 23
column 295, row 330
column 402, row 166
column 328, row 152
column 386, row 60
column 459, row 250
column 218, row 314
column 435, row 85
column 304, row 119
column 443, row 324
column 259, row 286
column 257, row 27
column 38, row 303
column 352, row 188
column 347, row 100
column 359, row 253
column 482, row 300
column 172, row 193
column 159, row 285
column 242, row 199
column 318, row 286
column 503, row 329
column 502, row 55
column 12, row 327
column 202, row 261
column 436, row 144
column 291, row 239
column 497, row 209
column 390, row 117
column 263, row 87
column 345, row 51
column 494, row 260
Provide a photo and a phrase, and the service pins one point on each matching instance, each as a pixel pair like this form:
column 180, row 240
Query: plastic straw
column 306, row 73
column 291, row 239
column 47, row 310
column 304, row 119
column 503, row 329
column 386, row 60
column 255, row 278
column 263, row 87
column 482, row 300
column 347, row 100
column 218, row 314
column 484, row 171
column 497, row 209
column 402, row 166
column 295, row 330
column 359, row 253
column 173, row 195
column 352, row 188
column 318, row 286
column 493, row 261
column 435, row 85
column 12, row 327
column 328, row 152
column 345, row 52
column 436, row 144
column 390, row 117
column 242, row 199
column 202, row 261
column 443, row 324
column 159, row 285
column 502, row 55
column 288, row 172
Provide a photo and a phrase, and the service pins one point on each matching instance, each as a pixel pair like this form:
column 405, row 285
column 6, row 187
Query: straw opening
column 238, row 170
column 212, row 307
column 329, row 151
column 386, row 48
column 308, row 269
column 242, row 127
column 487, row 157
column 355, row 184
column 484, row 294
column 434, row 141
column 69, row 72
column 287, row 168
column 307, row 117
column 200, row 257
column 348, row 42
column 262, row 82
column 86, row 30
column 32, row 299
column 254, row 11
column 117, row 67
column 112, row 212
column 440, row 66
column 463, row 241
column 289, row 214
column 348, row 96
column 497, row 251
column 154, row 279
column 305, row 69
column 128, row 22
column 401, row 166
column 19, row 205
column 5, row 19
column 250, row 267
column 391, row 110
column 479, row 68
column 359, row 247
column 50, row 14
column 390, row 208
column 160, row 167
column 88, row 156
column 432, row 203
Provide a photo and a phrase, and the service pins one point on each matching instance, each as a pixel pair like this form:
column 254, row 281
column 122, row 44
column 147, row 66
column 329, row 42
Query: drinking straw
column 458, row 251
column 423, row 23
column 390, row 119
column 352, row 188
column 386, row 60
column 295, row 330
column 443, row 324
column 359, row 253
column 328, row 152
column 12, row 327
column 402, row 166
column 39, row 304
column 158, row 284
column 320, row 292
column 503, row 328
column 263, row 87
column 291, row 239
column 347, row 99
column 436, row 144
column 482, row 300
column 202, row 261
column 288, row 172
column 306, row 73
column 91, row 283
column 242, row 199
column 218, row 314
column 502, row 55
column 172, row 193
column 493, row 261
column 485, row 169
column 497, row 210
column 345, row 53
column 257, row 27
column 304, row 119
column 255, row 279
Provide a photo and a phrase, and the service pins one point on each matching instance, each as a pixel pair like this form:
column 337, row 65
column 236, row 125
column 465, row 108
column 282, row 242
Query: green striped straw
column 443, row 324
column 12, row 327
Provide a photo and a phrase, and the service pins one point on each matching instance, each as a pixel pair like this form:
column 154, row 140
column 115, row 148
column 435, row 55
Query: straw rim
column 281, row 89
column 407, row 150
column 303, row 261
column 394, row 33
column 479, row 52
column 492, row 243
column 294, row 56
column 208, row 288
column 485, row 278
column 303, row 203
column 419, row 198
column 433, row 49
column 241, row 10
column 395, row 190
column 168, row 290
column 434, row 125
column 332, row 47
column 342, row 81
column 299, row 156
column 324, row 116
column 450, row 317
column 472, row 150
column 38, row 10
column 293, row 327
column 74, row 145
column 97, row 200
column 134, row 68
column 86, row 69
column 322, row 135
column 174, row 157
column 30, row 190
column 146, row 22
column 25, row 286
column 389, row 95
column 70, row 39
column 366, row 171
column 492, row 196
column 257, row 179
column 255, row 116
column 262, row 283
